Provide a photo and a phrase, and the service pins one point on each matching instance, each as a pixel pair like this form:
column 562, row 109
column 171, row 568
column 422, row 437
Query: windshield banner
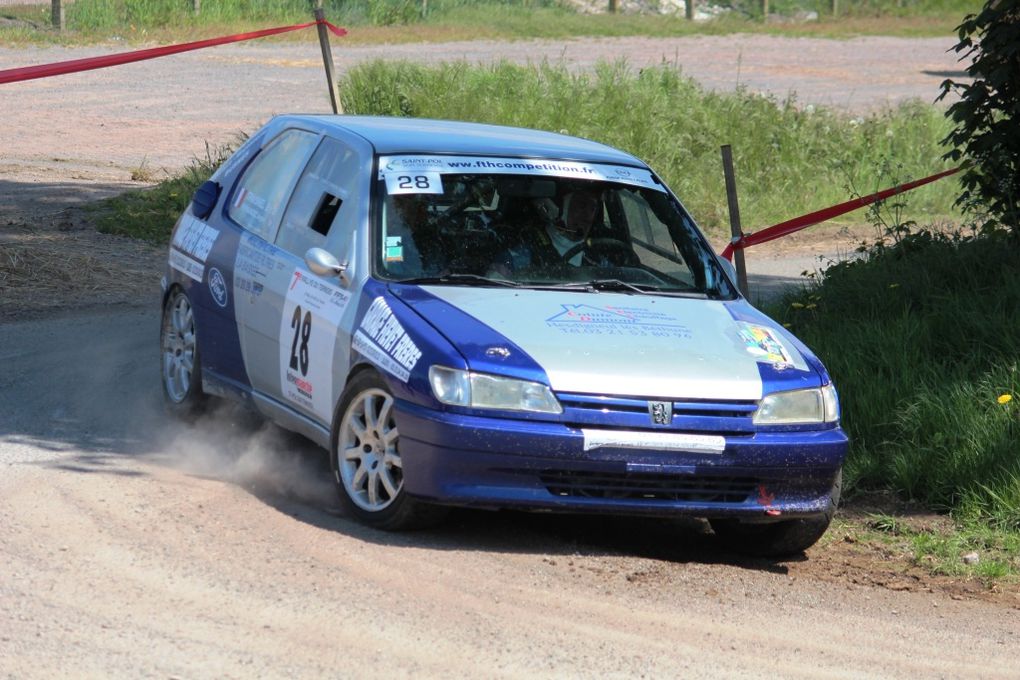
column 404, row 171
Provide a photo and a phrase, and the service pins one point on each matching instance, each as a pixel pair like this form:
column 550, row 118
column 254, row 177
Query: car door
column 296, row 333
column 256, row 205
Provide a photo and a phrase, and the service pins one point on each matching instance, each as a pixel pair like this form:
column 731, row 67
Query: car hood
column 629, row 345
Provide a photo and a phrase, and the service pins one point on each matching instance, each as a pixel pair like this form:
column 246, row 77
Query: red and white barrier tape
column 14, row 75
column 798, row 223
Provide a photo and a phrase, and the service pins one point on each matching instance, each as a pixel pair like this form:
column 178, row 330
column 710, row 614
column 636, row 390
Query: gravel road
column 132, row 546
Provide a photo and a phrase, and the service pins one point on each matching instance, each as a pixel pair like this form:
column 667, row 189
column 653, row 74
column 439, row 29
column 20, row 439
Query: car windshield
column 541, row 231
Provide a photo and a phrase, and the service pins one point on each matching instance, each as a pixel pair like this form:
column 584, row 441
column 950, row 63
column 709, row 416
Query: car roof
column 391, row 136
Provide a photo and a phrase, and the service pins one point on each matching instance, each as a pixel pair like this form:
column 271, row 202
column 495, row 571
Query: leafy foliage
column 987, row 116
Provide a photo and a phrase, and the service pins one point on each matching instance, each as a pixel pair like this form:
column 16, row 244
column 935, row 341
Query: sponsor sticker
column 312, row 311
column 430, row 166
column 218, row 287
column 187, row 266
column 383, row 340
column 765, row 345
column 195, row 237
column 662, row 441
column 394, row 249
column 585, row 319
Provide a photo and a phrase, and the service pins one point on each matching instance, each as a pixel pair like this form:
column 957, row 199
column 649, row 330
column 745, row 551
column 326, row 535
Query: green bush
column 922, row 338
column 987, row 116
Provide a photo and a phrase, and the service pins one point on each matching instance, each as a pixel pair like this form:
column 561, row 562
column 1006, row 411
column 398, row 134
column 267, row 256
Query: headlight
column 818, row 405
column 480, row 390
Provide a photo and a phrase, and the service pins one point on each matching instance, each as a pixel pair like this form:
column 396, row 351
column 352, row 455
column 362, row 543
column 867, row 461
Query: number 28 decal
column 414, row 183
column 302, row 331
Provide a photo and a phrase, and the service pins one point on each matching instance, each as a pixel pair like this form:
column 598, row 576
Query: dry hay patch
column 46, row 272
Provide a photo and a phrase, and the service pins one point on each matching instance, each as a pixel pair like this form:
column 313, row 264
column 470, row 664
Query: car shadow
column 677, row 540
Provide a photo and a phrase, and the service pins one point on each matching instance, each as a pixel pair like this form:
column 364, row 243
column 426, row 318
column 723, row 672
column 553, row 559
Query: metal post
column 327, row 62
column 689, row 10
column 735, row 230
column 57, row 11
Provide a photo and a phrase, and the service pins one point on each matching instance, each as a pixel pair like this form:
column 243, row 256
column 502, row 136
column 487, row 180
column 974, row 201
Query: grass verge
column 150, row 214
column 959, row 548
column 788, row 159
column 381, row 21
column 922, row 338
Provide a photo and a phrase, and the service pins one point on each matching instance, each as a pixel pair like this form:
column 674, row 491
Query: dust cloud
column 234, row 445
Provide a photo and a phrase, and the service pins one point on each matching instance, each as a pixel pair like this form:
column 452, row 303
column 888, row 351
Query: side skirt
column 284, row 416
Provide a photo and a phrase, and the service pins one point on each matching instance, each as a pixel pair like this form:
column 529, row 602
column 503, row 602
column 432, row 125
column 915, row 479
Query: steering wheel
column 604, row 246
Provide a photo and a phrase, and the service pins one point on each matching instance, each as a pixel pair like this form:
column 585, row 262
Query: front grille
column 732, row 417
column 628, row 486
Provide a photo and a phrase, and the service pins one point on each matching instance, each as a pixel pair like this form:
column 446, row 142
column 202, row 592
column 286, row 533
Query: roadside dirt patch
column 66, row 264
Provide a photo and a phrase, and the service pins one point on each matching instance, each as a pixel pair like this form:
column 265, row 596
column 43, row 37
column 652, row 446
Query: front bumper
column 467, row 460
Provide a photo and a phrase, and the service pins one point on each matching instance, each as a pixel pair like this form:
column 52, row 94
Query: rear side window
column 321, row 196
column 261, row 195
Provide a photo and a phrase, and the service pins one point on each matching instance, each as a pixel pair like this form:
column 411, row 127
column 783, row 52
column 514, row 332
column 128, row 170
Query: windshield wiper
column 606, row 284
column 461, row 279
column 596, row 285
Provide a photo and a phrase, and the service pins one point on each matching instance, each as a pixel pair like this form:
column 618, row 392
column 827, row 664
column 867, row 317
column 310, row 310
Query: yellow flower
column 1005, row 398
column 894, row 285
column 812, row 306
column 787, row 325
column 797, row 305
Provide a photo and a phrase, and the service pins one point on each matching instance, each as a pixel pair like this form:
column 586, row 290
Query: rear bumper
column 466, row 460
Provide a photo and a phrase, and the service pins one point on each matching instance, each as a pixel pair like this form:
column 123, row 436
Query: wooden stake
column 735, row 229
column 327, row 62
column 57, row 11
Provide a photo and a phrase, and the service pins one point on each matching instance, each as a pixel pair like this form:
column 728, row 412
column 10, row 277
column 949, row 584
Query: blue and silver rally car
column 472, row 315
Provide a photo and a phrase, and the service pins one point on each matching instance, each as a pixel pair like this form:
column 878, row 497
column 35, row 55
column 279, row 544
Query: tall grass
column 789, row 159
column 923, row 340
column 101, row 15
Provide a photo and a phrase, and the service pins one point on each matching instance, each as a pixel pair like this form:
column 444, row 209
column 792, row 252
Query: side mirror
column 204, row 200
column 322, row 263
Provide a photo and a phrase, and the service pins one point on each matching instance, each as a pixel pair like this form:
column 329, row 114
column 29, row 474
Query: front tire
column 778, row 539
column 180, row 362
column 366, row 460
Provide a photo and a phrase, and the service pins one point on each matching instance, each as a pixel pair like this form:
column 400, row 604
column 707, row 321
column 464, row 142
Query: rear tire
column 180, row 362
column 366, row 461
column 777, row 539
